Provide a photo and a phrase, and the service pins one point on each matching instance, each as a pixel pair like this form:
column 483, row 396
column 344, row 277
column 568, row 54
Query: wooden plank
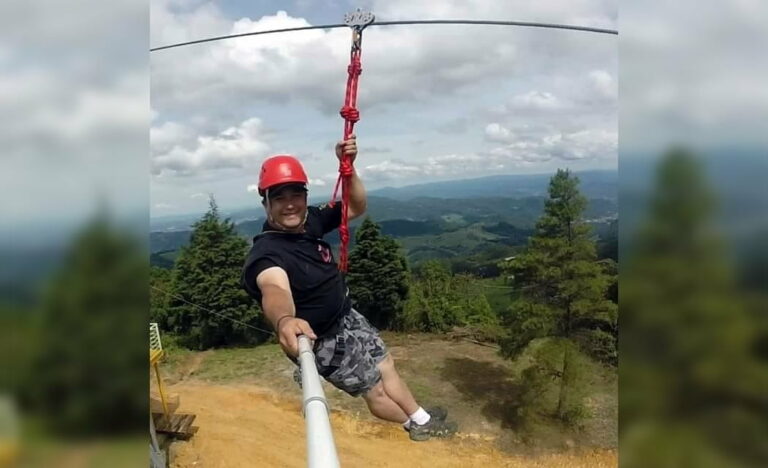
column 192, row 430
column 176, row 425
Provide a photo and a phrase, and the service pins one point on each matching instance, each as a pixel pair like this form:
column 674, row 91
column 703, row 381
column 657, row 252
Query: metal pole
column 321, row 449
column 156, row 454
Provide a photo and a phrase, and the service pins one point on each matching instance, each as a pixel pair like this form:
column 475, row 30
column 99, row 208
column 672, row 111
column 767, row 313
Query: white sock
column 420, row 417
column 407, row 425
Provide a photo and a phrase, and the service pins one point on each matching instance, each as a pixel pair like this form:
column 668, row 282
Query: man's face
column 288, row 207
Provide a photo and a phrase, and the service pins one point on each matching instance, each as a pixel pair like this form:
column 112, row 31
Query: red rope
column 351, row 115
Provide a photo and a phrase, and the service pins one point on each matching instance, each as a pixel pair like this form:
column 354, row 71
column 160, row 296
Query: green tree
column 432, row 304
column 378, row 275
column 159, row 282
column 92, row 358
column 562, row 289
column 440, row 301
column 207, row 274
column 693, row 385
column 473, row 306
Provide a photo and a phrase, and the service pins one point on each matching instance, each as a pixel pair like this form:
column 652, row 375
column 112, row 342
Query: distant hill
column 434, row 220
column 594, row 184
column 164, row 241
column 24, row 272
column 424, row 217
column 461, row 231
column 736, row 176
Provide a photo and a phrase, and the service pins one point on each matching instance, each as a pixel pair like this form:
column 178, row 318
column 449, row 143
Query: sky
column 692, row 73
column 436, row 102
column 74, row 115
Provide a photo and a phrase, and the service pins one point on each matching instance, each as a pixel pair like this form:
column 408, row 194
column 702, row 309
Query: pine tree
column 207, row 273
column 692, row 382
column 92, row 360
column 159, row 282
column 378, row 275
column 562, row 288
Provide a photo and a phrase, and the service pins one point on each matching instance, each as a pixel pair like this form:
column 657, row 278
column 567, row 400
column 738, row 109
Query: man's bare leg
column 382, row 406
column 395, row 387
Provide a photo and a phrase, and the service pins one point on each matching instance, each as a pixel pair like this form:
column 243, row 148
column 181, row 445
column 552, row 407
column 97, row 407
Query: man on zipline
column 290, row 270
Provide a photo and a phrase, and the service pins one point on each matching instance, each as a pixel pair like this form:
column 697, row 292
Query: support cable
column 393, row 23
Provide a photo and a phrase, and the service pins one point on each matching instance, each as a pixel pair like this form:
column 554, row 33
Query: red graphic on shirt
column 325, row 253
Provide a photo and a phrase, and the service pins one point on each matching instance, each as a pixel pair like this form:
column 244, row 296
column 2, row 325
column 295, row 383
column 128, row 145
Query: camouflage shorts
column 348, row 359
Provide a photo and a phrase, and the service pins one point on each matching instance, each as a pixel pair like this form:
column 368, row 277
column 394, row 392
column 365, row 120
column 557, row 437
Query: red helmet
column 280, row 169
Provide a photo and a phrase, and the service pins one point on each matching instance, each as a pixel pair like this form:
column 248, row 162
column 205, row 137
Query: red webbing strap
column 351, row 115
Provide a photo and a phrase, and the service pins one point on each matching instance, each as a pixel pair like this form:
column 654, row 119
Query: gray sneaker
column 433, row 428
column 435, row 412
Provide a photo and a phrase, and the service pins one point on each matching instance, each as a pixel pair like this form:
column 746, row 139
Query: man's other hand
column 348, row 147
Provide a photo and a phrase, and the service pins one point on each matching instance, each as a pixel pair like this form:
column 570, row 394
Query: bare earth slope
column 248, row 426
column 249, row 412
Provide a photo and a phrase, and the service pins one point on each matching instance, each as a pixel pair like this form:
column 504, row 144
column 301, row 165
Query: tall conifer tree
column 694, row 378
column 91, row 353
column 207, row 273
column 562, row 287
column 378, row 275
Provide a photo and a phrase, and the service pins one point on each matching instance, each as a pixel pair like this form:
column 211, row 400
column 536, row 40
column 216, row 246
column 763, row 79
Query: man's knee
column 375, row 394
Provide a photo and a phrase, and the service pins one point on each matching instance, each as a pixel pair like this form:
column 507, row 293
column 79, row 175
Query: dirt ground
column 249, row 413
column 247, row 426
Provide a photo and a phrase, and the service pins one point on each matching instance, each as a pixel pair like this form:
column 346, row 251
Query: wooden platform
column 178, row 426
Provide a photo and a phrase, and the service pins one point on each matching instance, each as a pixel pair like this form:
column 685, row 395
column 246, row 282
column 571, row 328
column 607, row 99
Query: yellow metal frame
column 155, row 353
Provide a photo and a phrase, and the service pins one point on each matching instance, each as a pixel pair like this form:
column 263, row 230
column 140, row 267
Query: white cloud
column 494, row 94
column 317, row 182
column 581, row 144
column 239, row 147
column 400, row 63
column 36, row 111
column 709, row 89
column 375, row 149
column 603, row 84
column 168, row 135
column 595, row 13
column 253, row 188
column 73, row 110
column 536, row 100
column 391, row 169
column 495, row 132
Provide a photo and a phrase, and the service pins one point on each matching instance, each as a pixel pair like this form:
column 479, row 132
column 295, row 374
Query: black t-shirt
column 319, row 290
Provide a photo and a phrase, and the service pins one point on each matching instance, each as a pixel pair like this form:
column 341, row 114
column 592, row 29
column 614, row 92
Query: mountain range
column 593, row 184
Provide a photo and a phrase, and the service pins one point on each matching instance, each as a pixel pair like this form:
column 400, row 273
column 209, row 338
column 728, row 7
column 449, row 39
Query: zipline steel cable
column 248, row 325
column 391, row 23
